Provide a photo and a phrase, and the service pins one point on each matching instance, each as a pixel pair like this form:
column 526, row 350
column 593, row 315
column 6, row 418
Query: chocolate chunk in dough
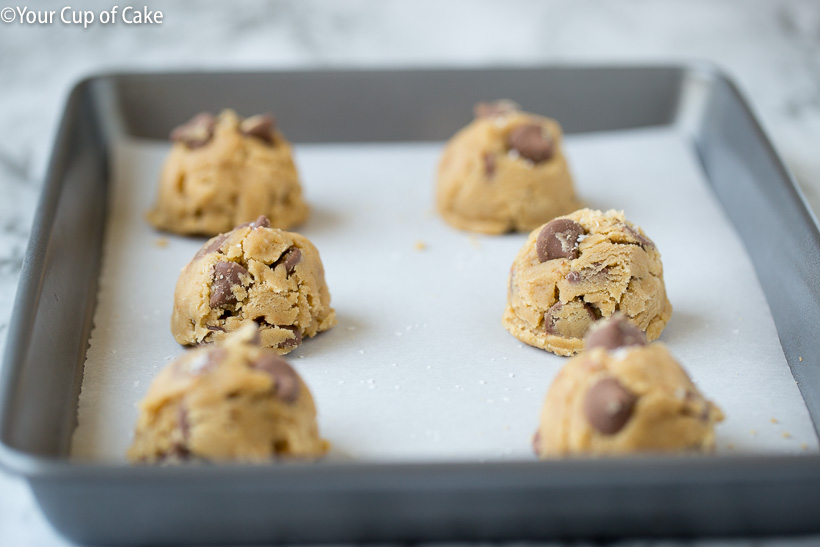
column 291, row 342
column 289, row 259
column 531, row 142
column 212, row 246
column 285, row 380
column 615, row 333
column 571, row 320
column 608, row 406
column 642, row 240
column 226, row 276
column 260, row 126
column 197, row 132
column 559, row 239
column 261, row 222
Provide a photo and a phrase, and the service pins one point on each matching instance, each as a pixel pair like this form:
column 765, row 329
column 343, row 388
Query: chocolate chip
column 574, row 277
column 289, row 259
column 597, row 276
column 285, row 379
column 642, row 240
column 184, row 423
column 197, row 132
column 608, row 406
column 531, row 142
column 226, row 276
column 570, row 320
column 213, row 245
column 615, row 332
column 291, row 342
column 261, row 222
column 559, row 238
column 495, row 109
column 489, row 164
column 260, row 126
column 214, row 328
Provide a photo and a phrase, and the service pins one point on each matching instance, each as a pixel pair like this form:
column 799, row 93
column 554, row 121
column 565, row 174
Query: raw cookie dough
column 504, row 172
column 229, row 402
column 224, row 171
column 622, row 396
column 577, row 269
column 253, row 274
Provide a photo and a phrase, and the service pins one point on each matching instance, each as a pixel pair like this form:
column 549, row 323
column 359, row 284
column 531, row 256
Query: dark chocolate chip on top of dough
column 559, row 238
column 285, row 380
column 197, row 132
column 613, row 333
column 608, row 405
column 261, row 222
column 226, row 276
column 531, row 142
column 261, row 126
column 213, row 245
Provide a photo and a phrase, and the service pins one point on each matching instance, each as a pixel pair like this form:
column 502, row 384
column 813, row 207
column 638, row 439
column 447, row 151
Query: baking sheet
column 419, row 367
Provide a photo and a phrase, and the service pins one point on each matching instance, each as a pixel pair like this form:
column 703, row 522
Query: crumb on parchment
column 161, row 242
column 419, row 245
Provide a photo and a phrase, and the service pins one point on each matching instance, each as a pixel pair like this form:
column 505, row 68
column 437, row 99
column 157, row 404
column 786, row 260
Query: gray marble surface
column 771, row 47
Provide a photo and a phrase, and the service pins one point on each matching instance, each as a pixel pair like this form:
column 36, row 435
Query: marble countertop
column 771, row 48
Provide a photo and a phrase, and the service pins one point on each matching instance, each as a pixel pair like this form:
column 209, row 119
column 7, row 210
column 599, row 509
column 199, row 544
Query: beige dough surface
column 552, row 303
column 229, row 402
column 217, row 176
column 254, row 274
column 631, row 399
column 486, row 186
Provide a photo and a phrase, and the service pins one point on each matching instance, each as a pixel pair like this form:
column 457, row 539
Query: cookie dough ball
column 224, row 171
column 577, row 269
column 504, row 172
column 254, row 274
column 231, row 402
column 623, row 396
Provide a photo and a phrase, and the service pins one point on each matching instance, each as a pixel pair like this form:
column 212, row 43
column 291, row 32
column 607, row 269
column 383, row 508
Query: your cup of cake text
column 68, row 15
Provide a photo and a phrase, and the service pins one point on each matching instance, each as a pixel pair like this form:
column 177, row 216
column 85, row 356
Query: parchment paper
column 419, row 367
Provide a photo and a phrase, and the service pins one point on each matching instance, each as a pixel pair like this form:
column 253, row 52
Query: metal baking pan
column 107, row 504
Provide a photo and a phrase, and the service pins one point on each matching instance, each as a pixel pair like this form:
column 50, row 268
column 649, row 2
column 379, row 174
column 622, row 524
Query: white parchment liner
column 419, row 367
